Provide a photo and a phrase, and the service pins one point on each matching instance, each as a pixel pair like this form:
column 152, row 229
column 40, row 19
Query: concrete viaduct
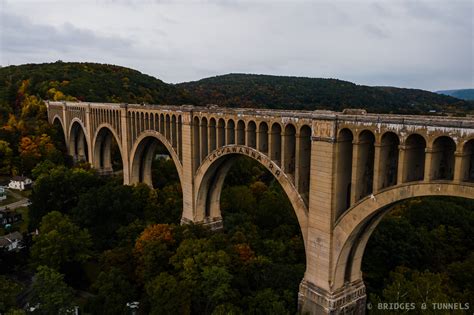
column 342, row 172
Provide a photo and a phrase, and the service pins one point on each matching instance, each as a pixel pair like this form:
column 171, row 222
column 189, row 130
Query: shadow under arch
column 142, row 154
column 77, row 141
column 354, row 228
column 210, row 176
column 59, row 122
column 102, row 146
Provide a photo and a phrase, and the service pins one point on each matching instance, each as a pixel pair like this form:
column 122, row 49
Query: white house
column 11, row 241
column 3, row 193
column 20, row 183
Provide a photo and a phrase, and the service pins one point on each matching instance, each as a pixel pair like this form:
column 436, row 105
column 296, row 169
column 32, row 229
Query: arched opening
column 467, row 164
column 289, row 139
column 162, row 124
column 149, row 153
column 212, row 135
column 251, row 135
column 388, row 161
column 343, row 170
column 354, row 228
column 363, row 174
column 196, row 143
column 241, row 132
column 204, row 138
column 263, row 137
column 259, row 214
column 230, row 132
column 78, row 143
column 174, row 132
column 59, row 136
column 418, row 235
column 107, row 154
column 221, row 133
column 442, row 158
column 275, row 138
column 414, row 168
column 168, row 127
column 304, row 163
column 142, row 122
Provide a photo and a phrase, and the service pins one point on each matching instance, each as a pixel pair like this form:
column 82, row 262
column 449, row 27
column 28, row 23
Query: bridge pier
column 349, row 299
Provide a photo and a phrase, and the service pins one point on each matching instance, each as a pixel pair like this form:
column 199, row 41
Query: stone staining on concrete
column 342, row 172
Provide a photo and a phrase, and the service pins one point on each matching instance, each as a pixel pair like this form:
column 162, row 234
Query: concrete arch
column 139, row 148
column 403, row 139
column 211, row 174
column 96, row 143
column 77, row 131
column 353, row 229
column 442, row 158
column 56, row 117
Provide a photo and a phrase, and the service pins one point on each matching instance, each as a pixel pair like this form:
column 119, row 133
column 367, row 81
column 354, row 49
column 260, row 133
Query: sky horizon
column 403, row 43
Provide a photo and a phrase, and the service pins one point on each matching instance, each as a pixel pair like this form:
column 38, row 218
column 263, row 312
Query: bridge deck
column 423, row 120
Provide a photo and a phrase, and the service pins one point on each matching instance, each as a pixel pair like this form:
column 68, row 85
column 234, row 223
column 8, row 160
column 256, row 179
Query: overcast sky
column 406, row 43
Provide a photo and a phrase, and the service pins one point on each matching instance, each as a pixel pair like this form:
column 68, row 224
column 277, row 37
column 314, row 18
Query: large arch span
column 211, row 174
column 102, row 148
column 354, row 228
column 143, row 153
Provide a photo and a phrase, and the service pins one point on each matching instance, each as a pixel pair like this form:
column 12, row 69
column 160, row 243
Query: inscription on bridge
column 236, row 149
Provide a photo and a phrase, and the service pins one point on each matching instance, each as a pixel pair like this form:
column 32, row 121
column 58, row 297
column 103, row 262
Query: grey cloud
column 377, row 31
column 19, row 35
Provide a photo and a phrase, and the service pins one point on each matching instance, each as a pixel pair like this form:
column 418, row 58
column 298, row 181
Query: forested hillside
column 265, row 91
column 85, row 82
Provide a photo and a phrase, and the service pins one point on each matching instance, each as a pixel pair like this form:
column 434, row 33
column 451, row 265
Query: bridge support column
column 126, row 136
column 187, row 183
column 318, row 293
column 458, row 167
column 349, row 299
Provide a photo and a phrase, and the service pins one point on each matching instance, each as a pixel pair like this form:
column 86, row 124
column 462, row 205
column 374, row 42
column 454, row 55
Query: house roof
column 9, row 238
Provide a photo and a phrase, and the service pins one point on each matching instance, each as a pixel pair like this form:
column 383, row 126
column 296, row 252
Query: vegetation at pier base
column 101, row 245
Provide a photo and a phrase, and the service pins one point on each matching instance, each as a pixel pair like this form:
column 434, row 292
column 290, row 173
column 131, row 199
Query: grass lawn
column 10, row 199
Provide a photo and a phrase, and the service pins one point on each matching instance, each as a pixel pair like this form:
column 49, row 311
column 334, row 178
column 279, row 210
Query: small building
column 11, row 241
column 3, row 193
column 20, row 183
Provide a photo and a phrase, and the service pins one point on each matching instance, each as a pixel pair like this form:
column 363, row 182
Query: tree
column 168, row 295
column 8, row 292
column 59, row 242
column 153, row 250
column 50, row 292
column 413, row 286
column 112, row 203
column 113, row 292
column 6, row 154
column 59, row 190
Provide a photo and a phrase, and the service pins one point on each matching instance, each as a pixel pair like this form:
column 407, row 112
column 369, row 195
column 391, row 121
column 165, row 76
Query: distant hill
column 85, row 82
column 265, row 91
column 464, row 94
column 109, row 83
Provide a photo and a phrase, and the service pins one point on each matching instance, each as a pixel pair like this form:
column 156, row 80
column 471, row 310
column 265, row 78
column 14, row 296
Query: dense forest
column 94, row 243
